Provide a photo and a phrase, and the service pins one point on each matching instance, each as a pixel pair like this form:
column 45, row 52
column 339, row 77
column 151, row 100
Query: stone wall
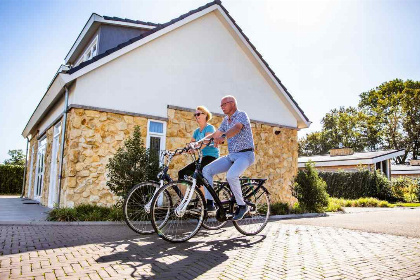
column 275, row 155
column 32, row 144
column 92, row 137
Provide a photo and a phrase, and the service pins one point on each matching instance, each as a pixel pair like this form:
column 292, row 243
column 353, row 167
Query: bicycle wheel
column 135, row 214
column 168, row 223
column 256, row 219
column 210, row 221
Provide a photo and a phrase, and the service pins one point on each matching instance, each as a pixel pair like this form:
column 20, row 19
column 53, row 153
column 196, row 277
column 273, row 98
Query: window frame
column 88, row 49
column 162, row 135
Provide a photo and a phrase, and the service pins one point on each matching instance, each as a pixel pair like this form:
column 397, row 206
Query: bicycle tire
column 210, row 222
column 178, row 228
column 135, row 215
column 257, row 218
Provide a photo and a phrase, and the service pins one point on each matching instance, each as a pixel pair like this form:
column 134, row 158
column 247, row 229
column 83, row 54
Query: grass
column 336, row 204
column 86, row 212
column 407, row 204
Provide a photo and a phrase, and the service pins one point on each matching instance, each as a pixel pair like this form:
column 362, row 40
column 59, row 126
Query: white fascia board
column 45, row 104
column 123, row 23
column 405, row 172
column 388, row 156
column 139, row 43
column 97, row 18
column 338, row 163
column 256, row 56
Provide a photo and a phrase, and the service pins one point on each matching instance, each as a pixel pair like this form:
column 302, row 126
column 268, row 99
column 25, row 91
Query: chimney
column 415, row 162
column 341, row 152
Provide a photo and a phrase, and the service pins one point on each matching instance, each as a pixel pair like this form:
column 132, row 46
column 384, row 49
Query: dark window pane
column 155, row 145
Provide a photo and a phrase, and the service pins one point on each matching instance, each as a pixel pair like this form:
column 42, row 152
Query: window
column 156, row 136
column 40, row 168
column 91, row 51
column 52, row 192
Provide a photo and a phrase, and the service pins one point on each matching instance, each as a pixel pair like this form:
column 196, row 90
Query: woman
column 210, row 153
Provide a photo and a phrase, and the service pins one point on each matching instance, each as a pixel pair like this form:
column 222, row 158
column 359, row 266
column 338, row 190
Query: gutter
column 26, row 167
column 63, row 135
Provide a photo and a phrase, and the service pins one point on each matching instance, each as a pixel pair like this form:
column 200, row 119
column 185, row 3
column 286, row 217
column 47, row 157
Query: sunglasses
column 198, row 114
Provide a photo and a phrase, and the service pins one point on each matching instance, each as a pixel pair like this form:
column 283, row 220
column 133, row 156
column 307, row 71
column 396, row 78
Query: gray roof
column 355, row 156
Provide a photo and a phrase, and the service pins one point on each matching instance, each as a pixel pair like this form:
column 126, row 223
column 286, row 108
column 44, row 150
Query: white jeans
column 234, row 164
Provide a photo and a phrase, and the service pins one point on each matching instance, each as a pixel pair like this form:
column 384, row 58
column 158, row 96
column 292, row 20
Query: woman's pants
column 190, row 168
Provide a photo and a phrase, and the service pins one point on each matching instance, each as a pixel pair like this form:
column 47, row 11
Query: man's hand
column 218, row 141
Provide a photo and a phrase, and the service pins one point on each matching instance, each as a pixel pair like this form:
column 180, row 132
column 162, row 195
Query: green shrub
column 280, row 208
column 405, row 189
column 86, row 212
column 335, row 203
column 353, row 185
column 11, row 178
column 310, row 190
column 131, row 165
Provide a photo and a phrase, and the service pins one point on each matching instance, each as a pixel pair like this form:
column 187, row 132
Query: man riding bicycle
column 236, row 128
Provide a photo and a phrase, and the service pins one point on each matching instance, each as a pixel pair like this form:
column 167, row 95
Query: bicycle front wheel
column 170, row 223
column 136, row 215
column 256, row 219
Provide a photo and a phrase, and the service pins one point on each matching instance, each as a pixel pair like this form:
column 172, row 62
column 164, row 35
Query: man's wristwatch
column 223, row 135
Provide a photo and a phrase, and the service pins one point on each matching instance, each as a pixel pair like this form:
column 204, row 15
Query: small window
column 156, row 136
column 90, row 51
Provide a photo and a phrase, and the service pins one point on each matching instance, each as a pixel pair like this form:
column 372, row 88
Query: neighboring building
column 124, row 73
column 401, row 170
column 346, row 160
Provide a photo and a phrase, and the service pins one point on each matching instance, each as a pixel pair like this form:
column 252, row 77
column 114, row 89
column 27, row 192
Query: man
column 236, row 128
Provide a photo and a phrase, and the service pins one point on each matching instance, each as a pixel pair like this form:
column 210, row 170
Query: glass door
column 40, row 168
column 52, row 192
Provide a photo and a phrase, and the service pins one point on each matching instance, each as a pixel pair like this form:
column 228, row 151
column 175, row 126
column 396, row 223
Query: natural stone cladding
column 93, row 137
column 275, row 155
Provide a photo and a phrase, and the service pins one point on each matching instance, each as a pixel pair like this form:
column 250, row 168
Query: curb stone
column 45, row 223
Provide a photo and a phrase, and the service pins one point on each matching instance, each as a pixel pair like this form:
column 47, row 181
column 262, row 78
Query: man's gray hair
column 232, row 97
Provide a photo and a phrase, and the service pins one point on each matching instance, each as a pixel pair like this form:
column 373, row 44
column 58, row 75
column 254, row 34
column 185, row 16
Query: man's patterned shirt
column 243, row 140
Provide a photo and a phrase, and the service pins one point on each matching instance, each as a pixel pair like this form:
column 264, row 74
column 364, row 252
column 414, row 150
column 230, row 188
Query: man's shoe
column 240, row 212
column 210, row 206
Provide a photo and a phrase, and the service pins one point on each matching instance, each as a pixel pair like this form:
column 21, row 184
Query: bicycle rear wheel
column 172, row 226
column 256, row 219
column 211, row 222
column 135, row 214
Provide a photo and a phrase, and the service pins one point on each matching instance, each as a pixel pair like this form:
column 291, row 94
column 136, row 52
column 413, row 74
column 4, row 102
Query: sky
column 326, row 53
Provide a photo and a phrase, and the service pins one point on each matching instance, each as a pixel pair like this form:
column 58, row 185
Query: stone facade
column 93, row 137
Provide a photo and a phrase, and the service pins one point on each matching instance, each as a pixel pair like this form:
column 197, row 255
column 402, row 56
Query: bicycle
column 137, row 203
column 187, row 212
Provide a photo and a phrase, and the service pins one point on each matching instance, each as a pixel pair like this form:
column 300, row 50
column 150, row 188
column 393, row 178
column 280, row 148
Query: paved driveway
column 282, row 251
column 14, row 208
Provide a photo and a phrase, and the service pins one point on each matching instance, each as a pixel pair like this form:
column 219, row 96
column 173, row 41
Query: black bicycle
column 177, row 218
column 138, row 200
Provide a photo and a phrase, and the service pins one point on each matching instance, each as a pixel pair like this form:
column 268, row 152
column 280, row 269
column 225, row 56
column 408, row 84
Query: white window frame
column 85, row 56
column 42, row 150
column 162, row 136
column 31, row 171
column 52, row 188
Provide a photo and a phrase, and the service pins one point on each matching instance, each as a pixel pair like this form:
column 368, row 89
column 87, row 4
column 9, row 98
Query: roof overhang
column 405, row 172
column 90, row 28
column 361, row 161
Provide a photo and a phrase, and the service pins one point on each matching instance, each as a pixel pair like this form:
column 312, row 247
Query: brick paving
column 282, row 251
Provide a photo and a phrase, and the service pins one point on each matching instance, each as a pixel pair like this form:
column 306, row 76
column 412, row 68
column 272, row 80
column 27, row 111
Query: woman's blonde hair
column 205, row 111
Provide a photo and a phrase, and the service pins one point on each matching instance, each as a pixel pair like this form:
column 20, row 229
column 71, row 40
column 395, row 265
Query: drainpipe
column 63, row 135
column 24, row 170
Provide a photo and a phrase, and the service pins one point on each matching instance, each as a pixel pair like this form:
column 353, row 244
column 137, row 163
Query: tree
column 132, row 164
column 394, row 107
column 16, row 158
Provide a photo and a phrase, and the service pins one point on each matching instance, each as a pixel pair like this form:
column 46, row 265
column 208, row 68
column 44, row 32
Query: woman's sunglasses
column 198, row 114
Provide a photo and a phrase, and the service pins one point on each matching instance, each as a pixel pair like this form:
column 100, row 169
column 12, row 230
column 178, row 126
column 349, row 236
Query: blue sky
column 325, row 52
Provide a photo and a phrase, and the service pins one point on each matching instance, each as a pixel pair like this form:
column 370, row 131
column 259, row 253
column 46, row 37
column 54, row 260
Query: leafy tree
column 395, row 110
column 16, row 158
column 132, row 164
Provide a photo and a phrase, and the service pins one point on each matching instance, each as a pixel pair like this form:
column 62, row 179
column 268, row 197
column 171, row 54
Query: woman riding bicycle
column 210, row 153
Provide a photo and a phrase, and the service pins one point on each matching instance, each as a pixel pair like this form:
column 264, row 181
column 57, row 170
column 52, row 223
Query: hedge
column 354, row 185
column 11, row 179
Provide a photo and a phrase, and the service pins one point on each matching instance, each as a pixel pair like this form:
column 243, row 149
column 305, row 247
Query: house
column 345, row 159
column 121, row 73
column 411, row 171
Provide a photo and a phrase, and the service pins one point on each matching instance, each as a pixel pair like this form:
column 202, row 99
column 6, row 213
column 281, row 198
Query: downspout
column 63, row 135
column 26, row 167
